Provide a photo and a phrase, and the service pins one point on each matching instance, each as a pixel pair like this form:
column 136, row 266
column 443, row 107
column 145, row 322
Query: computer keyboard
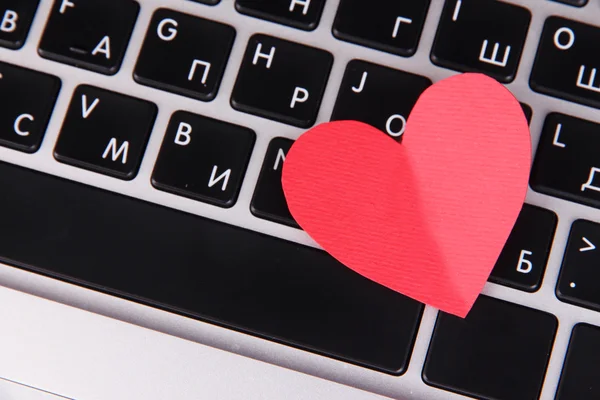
column 141, row 147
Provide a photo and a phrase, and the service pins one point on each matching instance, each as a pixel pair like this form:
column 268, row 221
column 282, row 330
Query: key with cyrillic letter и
column 567, row 162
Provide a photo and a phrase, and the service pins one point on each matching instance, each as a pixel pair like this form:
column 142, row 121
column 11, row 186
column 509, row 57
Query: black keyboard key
column 528, row 112
column 500, row 351
column 105, row 132
column 369, row 93
column 27, row 99
column 523, row 260
column 482, row 36
column 579, row 280
column 282, row 80
column 302, row 14
column 580, row 375
column 391, row 26
column 177, row 57
column 269, row 201
column 202, row 268
column 15, row 21
column 209, row 2
column 91, row 34
column 566, row 162
column 576, row 3
column 203, row 158
column 567, row 62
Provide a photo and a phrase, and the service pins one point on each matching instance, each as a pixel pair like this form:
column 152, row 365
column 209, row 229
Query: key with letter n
column 481, row 36
column 567, row 162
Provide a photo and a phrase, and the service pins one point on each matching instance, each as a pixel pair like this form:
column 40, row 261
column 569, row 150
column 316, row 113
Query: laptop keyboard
column 141, row 150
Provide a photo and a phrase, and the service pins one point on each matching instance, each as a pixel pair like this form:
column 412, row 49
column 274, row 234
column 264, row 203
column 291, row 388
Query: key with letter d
column 567, row 162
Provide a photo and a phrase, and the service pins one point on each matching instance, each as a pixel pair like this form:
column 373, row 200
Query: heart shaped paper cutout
column 427, row 217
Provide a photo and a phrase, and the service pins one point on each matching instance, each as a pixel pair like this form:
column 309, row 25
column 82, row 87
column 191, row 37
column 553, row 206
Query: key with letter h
column 282, row 80
column 184, row 54
column 105, row 132
column 567, row 162
column 203, row 159
column 567, row 64
column 481, row 36
column 91, row 34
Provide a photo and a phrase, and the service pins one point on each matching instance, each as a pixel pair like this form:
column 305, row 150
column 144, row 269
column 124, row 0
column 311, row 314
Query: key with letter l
column 203, row 159
column 280, row 80
column 391, row 26
column 370, row 93
column 91, row 34
column 15, row 20
column 105, row 132
column 481, row 36
column 27, row 99
column 567, row 163
column 523, row 260
column 579, row 280
column 567, row 63
column 175, row 57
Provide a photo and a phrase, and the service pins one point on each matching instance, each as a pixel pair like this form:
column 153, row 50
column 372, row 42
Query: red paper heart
column 428, row 217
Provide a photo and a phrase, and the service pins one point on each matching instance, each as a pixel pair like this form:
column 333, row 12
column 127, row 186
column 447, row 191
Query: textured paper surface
column 427, row 217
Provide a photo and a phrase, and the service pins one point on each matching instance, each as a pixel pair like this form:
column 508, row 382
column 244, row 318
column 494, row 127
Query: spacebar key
column 202, row 268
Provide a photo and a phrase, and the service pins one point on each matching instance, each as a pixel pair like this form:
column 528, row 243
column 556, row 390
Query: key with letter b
column 481, row 36
column 203, row 159
column 568, row 61
column 15, row 20
column 567, row 162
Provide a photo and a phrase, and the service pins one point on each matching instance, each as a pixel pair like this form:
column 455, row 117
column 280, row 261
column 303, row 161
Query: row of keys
column 471, row 36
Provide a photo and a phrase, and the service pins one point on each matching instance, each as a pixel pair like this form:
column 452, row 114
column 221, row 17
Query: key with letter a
column 567, row 162
column 91, row 34
column 481, row 36
column 105, row 132
column 203, row 158
column 567, row 64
